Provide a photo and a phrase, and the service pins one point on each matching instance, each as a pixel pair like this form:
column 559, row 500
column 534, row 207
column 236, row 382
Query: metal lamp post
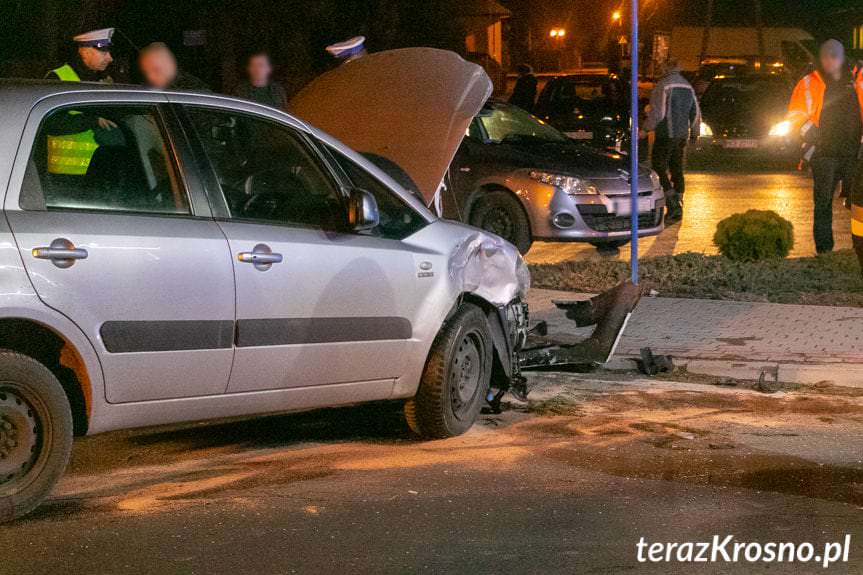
column 633, row 175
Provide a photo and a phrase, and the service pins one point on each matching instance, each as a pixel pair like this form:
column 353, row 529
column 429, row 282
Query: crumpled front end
column 492, row 269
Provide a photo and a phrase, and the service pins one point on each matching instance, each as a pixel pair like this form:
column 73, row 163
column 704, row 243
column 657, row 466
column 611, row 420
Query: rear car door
column 117, row 237
column 316, row 303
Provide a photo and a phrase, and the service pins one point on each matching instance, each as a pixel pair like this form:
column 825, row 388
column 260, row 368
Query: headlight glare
column 572, row 185
column 706, row 131
column 781, row 129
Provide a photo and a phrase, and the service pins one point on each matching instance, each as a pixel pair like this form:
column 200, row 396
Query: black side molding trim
column 264, row 332
column 141, row 336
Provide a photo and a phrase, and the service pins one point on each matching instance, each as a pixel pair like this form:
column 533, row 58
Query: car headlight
column 781, row 129
column 572, row 185
column 706, row 131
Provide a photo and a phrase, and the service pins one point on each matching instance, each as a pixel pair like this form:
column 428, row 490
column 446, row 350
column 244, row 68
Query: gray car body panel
column 195, row 383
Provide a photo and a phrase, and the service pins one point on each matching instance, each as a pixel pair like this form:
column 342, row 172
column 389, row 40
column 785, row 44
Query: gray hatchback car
column 524, row 180
column 199, row 257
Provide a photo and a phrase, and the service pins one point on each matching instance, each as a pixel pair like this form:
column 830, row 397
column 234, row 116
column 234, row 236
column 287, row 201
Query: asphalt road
column 724, row 190
column 570, row 489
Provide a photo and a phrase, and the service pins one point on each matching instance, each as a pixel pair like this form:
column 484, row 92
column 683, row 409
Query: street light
column 557, row 33
column 616, row 16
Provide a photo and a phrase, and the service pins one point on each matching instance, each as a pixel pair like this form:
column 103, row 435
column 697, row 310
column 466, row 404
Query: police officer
column 73, row 140
column 91, row 60
column 348, row 50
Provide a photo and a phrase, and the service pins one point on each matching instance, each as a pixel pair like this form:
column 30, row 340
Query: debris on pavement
column 650, row 364
column 609, row 311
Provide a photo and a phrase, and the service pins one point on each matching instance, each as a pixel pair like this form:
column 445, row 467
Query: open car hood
column 411, row 106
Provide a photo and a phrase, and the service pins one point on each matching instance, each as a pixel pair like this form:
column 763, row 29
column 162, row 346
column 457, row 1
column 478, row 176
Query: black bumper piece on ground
column 609, row 311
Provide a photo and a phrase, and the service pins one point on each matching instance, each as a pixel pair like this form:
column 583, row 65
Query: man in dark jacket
column 260, row 87
column 524, row 93
column 159, row 67
column 675, row 118
column 826, row 106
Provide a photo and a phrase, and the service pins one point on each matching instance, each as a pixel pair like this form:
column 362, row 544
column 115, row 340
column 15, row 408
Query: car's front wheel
column 500, row 213
column 35, row 434
column 456, row 377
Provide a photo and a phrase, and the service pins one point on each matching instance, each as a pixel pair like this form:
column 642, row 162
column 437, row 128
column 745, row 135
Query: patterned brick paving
column 745, row 331
column 734, row 331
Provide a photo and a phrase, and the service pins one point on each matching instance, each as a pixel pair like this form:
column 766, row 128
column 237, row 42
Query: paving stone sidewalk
column 746, row 331
column 806, row 344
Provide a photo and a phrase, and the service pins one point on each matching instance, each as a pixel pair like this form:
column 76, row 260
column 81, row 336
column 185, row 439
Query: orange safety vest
column 807, row 102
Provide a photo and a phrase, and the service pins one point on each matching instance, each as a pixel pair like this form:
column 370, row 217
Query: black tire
column 500, row 213
column 35, row 434
column 456, row 378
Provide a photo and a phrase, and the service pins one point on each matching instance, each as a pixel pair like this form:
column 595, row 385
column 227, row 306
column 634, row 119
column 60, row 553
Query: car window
column 267, row 172
column 508, row 124
column 764, row 91
column 397, row 219
column 104, row 157
column 474, row 131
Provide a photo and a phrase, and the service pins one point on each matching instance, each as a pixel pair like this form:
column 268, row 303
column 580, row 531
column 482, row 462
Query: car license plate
column 580, row 135
column 623, row 207
column 740, row 144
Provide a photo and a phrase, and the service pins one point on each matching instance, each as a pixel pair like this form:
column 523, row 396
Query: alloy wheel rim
column 498, row 222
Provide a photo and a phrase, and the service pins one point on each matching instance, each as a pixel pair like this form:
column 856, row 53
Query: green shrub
column 754, row 235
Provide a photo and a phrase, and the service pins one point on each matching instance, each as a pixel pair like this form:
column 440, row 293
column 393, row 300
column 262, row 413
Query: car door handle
column 61, row 252
column 261, row 256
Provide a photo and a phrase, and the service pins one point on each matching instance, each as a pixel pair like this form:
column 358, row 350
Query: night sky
column 297, row 30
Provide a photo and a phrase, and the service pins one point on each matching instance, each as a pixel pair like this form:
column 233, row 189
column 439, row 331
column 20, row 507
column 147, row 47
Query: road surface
column 569, row 487
column 712, row 196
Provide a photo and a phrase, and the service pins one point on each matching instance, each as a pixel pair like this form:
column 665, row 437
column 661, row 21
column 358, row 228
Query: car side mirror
column 363, row 212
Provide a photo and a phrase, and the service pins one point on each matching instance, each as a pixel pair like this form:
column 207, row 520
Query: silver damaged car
column 204, row 257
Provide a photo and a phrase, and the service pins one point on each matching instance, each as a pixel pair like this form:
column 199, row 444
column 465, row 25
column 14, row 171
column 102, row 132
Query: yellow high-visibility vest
column 71, row 153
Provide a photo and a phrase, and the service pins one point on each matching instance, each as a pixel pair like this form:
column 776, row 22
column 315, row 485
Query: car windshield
column 750, row 92
column 588, row 89
column 509, row 124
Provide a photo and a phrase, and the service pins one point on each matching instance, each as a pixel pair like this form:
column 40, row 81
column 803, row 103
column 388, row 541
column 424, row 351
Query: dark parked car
column 747, row 112
column 588, row 107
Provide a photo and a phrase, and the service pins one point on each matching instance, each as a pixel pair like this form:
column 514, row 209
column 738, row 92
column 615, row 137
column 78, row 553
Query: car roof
column 28, row 92
column 750, row 78
column 20, row 95
column 587, row 77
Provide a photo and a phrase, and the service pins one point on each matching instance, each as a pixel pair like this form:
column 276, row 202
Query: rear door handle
column 61, row 252
column 261, row 256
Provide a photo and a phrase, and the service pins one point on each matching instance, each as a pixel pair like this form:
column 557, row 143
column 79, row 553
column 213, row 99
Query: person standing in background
column 524, row 93
column 159, row 68
column 259, row 87
column 73, row 139
column 827, row 108
column 675, row 118
column 91, row 61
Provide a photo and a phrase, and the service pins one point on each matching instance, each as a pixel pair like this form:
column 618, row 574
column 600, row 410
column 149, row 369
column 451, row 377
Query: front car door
column 119, row 239
column 316, row 303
